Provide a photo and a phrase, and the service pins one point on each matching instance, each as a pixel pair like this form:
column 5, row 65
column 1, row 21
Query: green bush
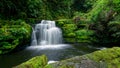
column 12, row 35
column 68, row 27
column 84, row 35
column 116, row 5
column 68, row 30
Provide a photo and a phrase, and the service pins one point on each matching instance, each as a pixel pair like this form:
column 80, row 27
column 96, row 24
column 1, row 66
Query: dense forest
column 81, row 21
column 94, row 21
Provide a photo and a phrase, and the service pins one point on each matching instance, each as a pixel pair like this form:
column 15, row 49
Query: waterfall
column 34, row 40
column 46, row 33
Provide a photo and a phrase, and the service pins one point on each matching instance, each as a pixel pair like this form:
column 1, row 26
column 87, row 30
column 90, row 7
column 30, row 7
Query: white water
column 52, row 61
column 34, row 40
column 50, row 47
column 46, row 33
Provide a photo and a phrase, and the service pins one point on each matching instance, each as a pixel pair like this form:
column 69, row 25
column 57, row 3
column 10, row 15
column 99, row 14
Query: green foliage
column 0, row 52
column 69, row 30
column 84, row 35
column 83, row 5
column 99, row 19
column 60, row 9
column 114, row 29
column 96, row 14
column 12, row 35
column 114, row 26
column 97, row 8
column 12, row 8
column 116, row 5
column 93, row 14
column 68, row 27
column 62, row 22
column 41, row 9
column 38, row 9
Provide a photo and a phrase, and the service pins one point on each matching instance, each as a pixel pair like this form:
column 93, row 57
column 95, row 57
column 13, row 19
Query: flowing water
column 46, row 39
column 46, row 33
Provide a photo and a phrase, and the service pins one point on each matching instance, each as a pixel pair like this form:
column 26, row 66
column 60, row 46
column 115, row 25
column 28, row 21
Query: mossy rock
column 74, row 31
column 36, row 62
column 106, row 58
column 84, row 35
column 61, row 22
column 76, row 62
column 110, row 56
column 68, row 29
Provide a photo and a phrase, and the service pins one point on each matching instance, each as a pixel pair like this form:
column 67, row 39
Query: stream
column 54, row 53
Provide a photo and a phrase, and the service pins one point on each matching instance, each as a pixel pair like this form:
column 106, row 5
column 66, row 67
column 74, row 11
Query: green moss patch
column 36, row 62
column 111, row 56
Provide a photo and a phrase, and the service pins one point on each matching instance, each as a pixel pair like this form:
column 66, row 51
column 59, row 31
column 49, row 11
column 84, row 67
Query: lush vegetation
column 12, row 34
column 91, row 21
column 95, row 21
column 98, row 23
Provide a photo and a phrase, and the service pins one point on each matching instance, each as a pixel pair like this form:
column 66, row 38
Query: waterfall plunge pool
column 54, row 53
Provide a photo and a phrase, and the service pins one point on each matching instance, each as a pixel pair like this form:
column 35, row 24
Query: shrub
column 12, row 35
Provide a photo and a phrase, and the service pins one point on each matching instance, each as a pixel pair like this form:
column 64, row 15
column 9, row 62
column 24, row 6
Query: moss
column 76, row 62
column 111, row 56
column 68, row 28
column 84, row 35
column 48, row 66
column 36, row 62
column 75, row 31
column 62, row 22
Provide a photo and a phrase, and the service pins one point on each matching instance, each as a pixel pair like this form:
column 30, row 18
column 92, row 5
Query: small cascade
column 34, row 40
column 46, row 33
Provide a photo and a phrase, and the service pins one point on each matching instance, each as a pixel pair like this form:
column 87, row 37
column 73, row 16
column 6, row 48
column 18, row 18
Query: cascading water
column 46, row 33
column 34, row 40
